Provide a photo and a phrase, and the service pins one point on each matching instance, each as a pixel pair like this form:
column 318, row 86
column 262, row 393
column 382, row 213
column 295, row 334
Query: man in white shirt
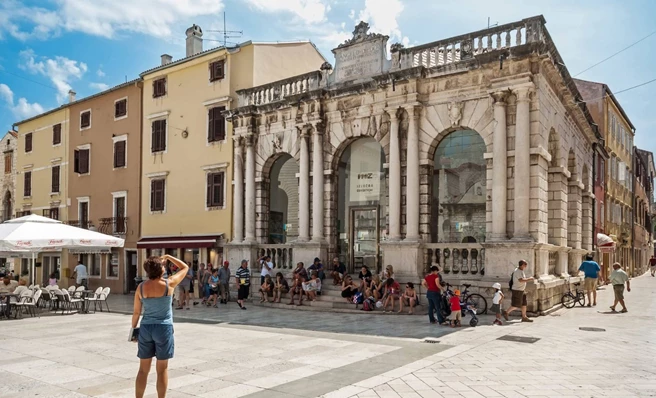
column 618, row 278
column 518, row 297
column 7, row 285
column 267, row 268
column 80, row 274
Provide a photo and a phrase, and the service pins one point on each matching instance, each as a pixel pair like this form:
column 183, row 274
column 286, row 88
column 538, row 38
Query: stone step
column 341, row 307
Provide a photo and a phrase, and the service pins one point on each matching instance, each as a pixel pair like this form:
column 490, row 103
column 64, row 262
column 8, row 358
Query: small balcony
column 116, row 226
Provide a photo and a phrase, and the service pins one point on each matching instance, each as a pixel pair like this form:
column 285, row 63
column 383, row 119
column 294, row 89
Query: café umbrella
column 33, row 234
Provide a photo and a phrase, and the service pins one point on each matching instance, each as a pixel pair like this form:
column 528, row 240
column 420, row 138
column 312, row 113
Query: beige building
column 42, row 179
column 186, row 205
column 104, row 145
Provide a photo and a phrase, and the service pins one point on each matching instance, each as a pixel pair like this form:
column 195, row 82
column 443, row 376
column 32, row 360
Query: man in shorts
column 518, row 298
column 652, row 265
column 224, row 282
column 618, row 278
column 243, row 279
column 184, row 289
column 591, row 271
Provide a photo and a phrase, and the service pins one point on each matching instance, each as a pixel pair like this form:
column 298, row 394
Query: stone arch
column 445, row 133
column 338, row 148
column 554, row 148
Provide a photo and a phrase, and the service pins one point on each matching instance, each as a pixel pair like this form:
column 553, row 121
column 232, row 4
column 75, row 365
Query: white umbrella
column 33, row 234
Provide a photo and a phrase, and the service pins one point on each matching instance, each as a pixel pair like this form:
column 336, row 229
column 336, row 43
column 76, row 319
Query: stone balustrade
column 456, row 258
column 463, row 47
column 281, row 256
column 279, row 90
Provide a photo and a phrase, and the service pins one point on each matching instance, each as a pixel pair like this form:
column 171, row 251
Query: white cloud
column 352, row 14
column 104, row 18
column 99, row 86
column 22, row 109
column 308, row 11
column 100, row 73
column 382, row 15
column 60, row 70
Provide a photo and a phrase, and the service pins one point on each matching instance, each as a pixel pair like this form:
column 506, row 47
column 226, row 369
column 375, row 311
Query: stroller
column 466, row 307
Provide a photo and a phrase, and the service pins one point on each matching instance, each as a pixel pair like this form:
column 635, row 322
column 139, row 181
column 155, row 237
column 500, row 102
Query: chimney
column 194, row 40
column 166, row 59
column 71, row 96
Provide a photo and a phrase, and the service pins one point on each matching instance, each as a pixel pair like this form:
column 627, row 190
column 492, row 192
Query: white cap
column 497, row 285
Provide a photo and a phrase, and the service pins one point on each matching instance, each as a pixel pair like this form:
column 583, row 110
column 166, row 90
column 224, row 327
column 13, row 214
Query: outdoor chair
column 67, row 303
column 94, row 298
column 78, row 292
column 24, row 295
column 55, row 286
column 29, row 303
column 19, row 290
column 102, row 298
column 71, row 289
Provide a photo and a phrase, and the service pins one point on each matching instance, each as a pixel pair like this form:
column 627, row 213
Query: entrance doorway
column 131, row 270
column 364, row 235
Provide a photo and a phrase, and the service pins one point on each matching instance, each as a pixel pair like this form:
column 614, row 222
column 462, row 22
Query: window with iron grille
column 56, row 134
column 158, row 141
column 27, row 181
column 215, row 188
column 159, row 87
column 55, row 179
column 28, row 142
column 216, row 129
column 81, row 161
column 217, row 70
column 85, row 119
column 157, row 188
column 119, row 154
column 120, row 108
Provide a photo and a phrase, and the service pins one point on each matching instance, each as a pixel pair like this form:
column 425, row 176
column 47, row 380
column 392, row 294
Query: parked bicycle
column 474, row 300
column 570, row 298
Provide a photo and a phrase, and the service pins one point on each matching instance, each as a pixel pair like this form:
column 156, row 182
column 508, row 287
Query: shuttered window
column 8, row 160
column 28, row 142
column 158, row 141
column 216, row 124
column 215, row 187
column 159, row 87
column 119, row 154
column 27, row 183
column 120, row 108
column 56, row 134
column 85, row 119
column 81, row 161
column 217, row 70
column 55, row 179
column 157, row 188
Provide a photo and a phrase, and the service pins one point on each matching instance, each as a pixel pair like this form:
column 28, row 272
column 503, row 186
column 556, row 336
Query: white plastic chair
column 102, row 298
column 55, row 286
column 29, row 303
column 71, row 289
column 78, row 292
column 19, row 290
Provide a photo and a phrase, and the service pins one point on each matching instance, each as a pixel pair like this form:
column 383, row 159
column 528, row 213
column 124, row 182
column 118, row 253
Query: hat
column 226, row 263
column 497, row 285
column 456, row 292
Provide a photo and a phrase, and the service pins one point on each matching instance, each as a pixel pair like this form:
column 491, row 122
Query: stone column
column 522, row 164
column 394, row 178
column 304, row 189
column 574, row 210
column 412, row 176
column 499, row 168
column 586, row 228
column 238, row 204
column 250, row 189
column 317, row 184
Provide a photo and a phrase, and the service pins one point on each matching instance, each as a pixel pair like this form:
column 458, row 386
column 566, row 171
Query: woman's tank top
column 157, row 310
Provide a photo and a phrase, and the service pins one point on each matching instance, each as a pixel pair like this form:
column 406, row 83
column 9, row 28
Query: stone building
column 643, row 194
column 8, row 185
column 470, row 152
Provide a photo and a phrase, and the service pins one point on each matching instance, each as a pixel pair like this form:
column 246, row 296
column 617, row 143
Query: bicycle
column 473, row 299
column 570, row 299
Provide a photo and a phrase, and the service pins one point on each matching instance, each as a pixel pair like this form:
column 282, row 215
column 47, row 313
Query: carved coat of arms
column 455, row 113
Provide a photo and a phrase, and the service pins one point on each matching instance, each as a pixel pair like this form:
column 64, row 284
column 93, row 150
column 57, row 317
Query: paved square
column 88, row 356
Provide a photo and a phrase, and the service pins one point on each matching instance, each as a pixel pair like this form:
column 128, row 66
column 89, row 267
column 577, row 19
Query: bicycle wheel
column 568, row 300
column 580, row 297
column 478, row 302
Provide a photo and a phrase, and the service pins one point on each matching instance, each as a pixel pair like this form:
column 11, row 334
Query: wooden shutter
column 55, row 179
column 85, row 119
column 210, row 125
column 28, row 142
column 216, row 130
column 120, row 108
column 56, row 134
column 8, row 159
column 76, row 161
column 83, row 161
column 27, row 180
column 209, row 198
column 158, row 136
column 157, row 195
column 119, row 154
column 218, row 188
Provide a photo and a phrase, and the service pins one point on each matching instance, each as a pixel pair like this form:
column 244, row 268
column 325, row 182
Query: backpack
column 445, row 307
column 510, row 283
column 368, row 305
column 358, row 298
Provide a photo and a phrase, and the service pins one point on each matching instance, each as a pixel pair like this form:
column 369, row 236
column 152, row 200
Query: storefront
column 194, row 250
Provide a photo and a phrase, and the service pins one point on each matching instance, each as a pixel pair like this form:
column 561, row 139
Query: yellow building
column 41, row 180
column 186, row 186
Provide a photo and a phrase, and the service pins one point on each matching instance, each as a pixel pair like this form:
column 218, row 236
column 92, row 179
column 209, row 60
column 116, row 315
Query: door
column 131, row 268
column 119, row 216
column 364, row 238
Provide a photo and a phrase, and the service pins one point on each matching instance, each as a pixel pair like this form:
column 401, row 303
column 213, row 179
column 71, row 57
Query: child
column 496, row 304
column 456, row 311
column 409, row 298
column 312, row 286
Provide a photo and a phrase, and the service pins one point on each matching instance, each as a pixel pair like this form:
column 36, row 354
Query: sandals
column 613, row 309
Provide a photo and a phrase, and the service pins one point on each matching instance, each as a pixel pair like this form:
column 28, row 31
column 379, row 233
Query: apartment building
column 643, row 194
column 8, row 185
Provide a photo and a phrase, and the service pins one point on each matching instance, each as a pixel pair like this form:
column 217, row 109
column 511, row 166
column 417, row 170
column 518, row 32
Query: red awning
column 178, row 242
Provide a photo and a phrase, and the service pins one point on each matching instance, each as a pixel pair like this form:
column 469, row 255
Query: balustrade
column 456, row 258
column 281, row 256
column 279, row 90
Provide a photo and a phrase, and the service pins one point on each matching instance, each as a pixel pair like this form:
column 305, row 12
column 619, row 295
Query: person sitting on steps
column 280, row 287
column 339, row 269
column 348, row 289
column 266, row 289
column 409, row 298
column 297, row 289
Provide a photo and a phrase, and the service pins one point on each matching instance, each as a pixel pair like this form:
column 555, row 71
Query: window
column 83, row 213
column 112, row 265
column 159, row 88
column 28, row 142
column 119, row 215
column 51, row 213
column 85, row 119
column 215, row 187
column 158, row 141
column 93, row 263
column 216, row 130
column 120, row 108
column 23, row 213
column 157, row 188
column 27, row 180
column 56, row 134
column 119, row 154
column 8, row 160
column 55, row 179
column 217, row 70
column 81, row 161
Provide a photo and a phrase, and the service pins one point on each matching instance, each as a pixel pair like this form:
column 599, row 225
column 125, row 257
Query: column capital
column 239, row 140
column 317, row 127
column 523, row 93
column 499, row 97
column 413, row 109
column 392, row 112
column 250, row 139
column 303, row 130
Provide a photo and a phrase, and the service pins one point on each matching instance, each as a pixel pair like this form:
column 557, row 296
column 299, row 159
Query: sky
column 48, row 47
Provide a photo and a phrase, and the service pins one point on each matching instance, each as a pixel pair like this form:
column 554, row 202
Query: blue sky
column 50, row 46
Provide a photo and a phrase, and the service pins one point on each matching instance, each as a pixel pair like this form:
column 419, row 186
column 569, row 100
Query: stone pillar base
column 235, row 252
column 307, row 251
column 574, row 261
column 406, row 258
column 501, row 258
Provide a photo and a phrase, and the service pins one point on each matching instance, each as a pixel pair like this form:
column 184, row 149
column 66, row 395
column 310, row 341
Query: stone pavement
column 88, row 356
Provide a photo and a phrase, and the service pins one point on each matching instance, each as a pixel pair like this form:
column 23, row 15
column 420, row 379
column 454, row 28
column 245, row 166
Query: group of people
column 306, row 282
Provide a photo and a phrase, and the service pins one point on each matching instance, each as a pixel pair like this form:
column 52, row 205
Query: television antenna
column 488, row 23
column 227, row 34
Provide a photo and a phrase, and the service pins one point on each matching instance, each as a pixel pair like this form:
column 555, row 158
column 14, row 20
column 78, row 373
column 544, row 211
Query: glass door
column 364, row 238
